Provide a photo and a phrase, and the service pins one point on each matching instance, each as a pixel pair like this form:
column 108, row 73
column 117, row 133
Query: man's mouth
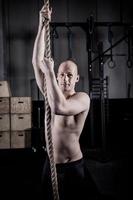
column 65, row 84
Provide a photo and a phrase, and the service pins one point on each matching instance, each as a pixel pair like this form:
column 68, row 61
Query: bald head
column 68, row 65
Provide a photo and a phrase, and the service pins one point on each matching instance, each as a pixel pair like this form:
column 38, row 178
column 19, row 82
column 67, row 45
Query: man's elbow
column 59, row 110
column 54, row 109
column 34, row 62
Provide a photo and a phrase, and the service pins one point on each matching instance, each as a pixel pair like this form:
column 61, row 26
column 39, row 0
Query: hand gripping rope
column 50, row 147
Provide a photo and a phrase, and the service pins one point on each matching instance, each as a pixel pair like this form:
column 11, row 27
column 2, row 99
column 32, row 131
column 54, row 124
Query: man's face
column 67, row 76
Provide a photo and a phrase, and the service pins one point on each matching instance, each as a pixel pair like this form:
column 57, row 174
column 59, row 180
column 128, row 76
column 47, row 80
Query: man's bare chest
column 64, row 121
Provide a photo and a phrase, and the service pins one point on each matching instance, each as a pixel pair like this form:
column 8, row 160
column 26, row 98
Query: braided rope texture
column 48, row 117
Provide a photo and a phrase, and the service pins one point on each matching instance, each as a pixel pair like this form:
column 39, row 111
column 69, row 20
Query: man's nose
column 65, row 77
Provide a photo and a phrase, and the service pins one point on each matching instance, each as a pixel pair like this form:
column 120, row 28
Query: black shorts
column 71, row 180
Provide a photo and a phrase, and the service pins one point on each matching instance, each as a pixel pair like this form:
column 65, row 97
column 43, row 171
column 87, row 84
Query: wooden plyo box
column 4, row 139
column 4, row 89
column 21, row 139
column 4, row 122
column 21, row 105
column 4, row 105
column 20, row 122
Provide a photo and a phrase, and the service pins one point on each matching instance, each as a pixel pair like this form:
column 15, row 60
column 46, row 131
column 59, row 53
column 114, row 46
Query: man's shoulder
column 83, row 97
column 82, row 94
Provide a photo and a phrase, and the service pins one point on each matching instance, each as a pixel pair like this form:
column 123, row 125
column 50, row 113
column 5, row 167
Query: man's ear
column 77, row 79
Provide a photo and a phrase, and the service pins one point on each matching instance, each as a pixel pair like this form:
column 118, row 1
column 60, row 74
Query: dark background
column 105, row 138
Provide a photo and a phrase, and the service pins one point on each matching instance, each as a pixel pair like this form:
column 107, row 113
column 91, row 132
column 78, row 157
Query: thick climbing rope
column 50, row 147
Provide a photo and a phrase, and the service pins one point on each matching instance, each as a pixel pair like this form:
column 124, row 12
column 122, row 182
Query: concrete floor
column 20, row 174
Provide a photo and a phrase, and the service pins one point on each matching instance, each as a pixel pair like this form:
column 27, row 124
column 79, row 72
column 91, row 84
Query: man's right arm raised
column 39, row 50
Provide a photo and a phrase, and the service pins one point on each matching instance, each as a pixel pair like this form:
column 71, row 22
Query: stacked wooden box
column 4, row 123
column 4, row 115
column 21, row 122
column 15, row 119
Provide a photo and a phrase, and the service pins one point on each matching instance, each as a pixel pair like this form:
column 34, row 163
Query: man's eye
column 70, row 75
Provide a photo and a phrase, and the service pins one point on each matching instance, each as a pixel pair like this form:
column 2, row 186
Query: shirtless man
column 69, row 111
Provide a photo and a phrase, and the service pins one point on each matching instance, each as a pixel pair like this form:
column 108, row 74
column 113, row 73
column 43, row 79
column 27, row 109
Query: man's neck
column 69, row 94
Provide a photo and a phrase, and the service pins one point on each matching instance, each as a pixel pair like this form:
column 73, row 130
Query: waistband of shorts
column 70, row 164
